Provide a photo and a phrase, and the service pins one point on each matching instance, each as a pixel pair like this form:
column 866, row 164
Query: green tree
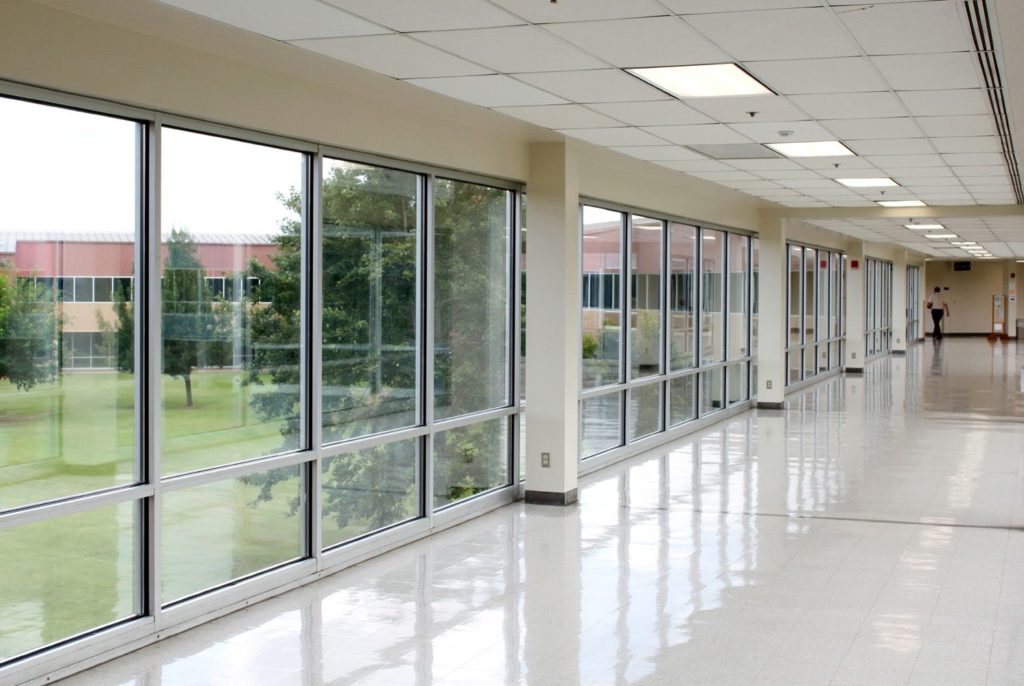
column 30, row 329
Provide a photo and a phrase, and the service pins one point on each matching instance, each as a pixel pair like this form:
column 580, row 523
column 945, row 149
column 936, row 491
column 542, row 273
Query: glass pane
column 739, row 294
column 219, row 532
column 645, row 410
column 368, row 490
column 471, row 302
column 470, row 460
column 645, row 305
column 810, row 256
column 231, row 385
column 601, row 424
column 822, row 282
column 61, row 433
column 522, row 297
column 683, row 295
column 711, row 391
column 796, row 260
column 67, row 575
column 602, row 297
column 713, row 297
column 834, row 290
column 682, row 399
column 809, row 367
column 794, row 358
column 737, row 379
column 371, row 216
column 755, row 252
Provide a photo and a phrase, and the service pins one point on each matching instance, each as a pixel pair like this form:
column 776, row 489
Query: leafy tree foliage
column 30, row 330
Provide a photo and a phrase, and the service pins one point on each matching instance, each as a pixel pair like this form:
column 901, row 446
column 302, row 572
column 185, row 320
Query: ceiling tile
column 930, row 181
column 788, row 174
column 995, row 198
column 511, row 49
column 625, row 135
column 713, row 6
column 658, row 152
column 974, row 158
column 695, row 165
column 966, row 144
column 738, row 109
column 945, row 103
column 964, row 125
column 992, row 170
column 649, row 42
column 560, row 116
column 893, row 127
column 761, row 165
column 393, row 55
column 777, row 34
column 283, row 21
column 489, row 91
column 655, row 113
column 600, row 85
column 771, row 132
column 891, row 146
column 581, row 10
column 733, row 175
column 902, row 28
column 829, row 163
column 884, row 161
column 700, row 133
column 899, row 173
column 850, row 105
column 436, row 15
column 838, row 75
column 759, row 184
column 951, row 70
column 817, row 184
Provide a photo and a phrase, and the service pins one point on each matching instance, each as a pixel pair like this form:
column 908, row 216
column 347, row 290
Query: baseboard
column 550, row 498
column 898, row 352
column 763, row 405
column 853, row 370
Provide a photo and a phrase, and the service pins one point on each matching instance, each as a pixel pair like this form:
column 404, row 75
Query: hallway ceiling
column 1003, row 237
column 898, row 81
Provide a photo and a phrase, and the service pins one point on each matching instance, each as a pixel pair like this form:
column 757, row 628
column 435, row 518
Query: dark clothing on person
column 937, row 320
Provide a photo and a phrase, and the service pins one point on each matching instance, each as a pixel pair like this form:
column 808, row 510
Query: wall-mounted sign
column 854, row 264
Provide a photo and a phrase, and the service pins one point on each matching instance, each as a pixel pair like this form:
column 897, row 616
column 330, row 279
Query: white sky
column 62, row 170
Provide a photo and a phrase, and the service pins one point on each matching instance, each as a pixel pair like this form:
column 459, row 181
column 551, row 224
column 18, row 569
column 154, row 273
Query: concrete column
column 1011, row 275
column 771, row 318
column 855, row 310
column 552, row 326
column 899, row 302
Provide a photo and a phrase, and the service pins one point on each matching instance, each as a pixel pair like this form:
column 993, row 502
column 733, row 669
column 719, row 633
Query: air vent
column 981, row 32
column 735, row 151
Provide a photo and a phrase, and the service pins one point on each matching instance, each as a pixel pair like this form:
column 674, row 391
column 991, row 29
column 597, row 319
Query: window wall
column 878, row 307
column 914, row 304
column 687, row 303
column 302, row 350
column 816, row 304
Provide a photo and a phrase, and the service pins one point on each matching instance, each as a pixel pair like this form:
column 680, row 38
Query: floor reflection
column 863, row 535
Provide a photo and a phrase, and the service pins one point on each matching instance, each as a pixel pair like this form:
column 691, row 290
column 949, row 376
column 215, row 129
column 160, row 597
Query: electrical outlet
column 545, row 460
column 768, row 384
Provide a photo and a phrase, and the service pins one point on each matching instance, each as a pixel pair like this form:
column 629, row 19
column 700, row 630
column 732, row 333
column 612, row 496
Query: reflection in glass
column 755, row 306
column 794, row 359
column 61, row 432
column 810, row 334
column 645, row 410
column 645, row 301
column 682, row 296
column 682, row 399
column 63, row 576
column 602, row 297
column 367, row 490
column 470, row 460
column 795, row 290
column 231, row 387
column 713, row 296
column 369, row 371
column 600, row 424
column 736, row 375
column 739, row 295
column 245, row 526
column 471, row 304
column 711, row 391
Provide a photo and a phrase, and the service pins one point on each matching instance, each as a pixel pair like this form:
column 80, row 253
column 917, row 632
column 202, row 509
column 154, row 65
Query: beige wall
column 969, row 296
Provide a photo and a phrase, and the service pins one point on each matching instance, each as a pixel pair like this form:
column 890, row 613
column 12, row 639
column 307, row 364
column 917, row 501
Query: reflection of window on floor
column 89, row 350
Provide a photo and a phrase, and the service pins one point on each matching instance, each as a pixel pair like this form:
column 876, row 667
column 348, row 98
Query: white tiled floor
column 863, row 536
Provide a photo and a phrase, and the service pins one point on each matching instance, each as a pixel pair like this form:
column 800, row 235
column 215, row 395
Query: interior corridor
column 868, row 534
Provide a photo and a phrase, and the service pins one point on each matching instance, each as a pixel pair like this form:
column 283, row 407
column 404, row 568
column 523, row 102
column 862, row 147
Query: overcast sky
column 66, row 171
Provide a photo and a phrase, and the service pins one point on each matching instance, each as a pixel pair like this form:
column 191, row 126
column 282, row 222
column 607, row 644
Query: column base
column 762, row 405
column 853, row 370
column 550, row 498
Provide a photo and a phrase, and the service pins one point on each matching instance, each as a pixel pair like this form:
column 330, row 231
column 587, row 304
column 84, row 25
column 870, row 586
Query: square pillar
column 771, row 316
column 899, row 302
column 855, row 308
column 553, row 333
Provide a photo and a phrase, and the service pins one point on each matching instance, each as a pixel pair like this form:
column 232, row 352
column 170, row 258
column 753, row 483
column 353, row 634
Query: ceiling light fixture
column 923, row 227
column 941, row 235
column 901, row 203
column 702, row 80
column 877, row 182
column 815, row 149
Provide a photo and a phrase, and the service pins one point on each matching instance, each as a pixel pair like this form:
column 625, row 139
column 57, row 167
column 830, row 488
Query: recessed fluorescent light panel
column 924, row 227
column 901, row 203
column 702, row 80
column 941, row 235
column 817, row 149
column 880, row 182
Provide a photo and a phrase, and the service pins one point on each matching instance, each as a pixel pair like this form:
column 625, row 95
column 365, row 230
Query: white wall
column 969, row 296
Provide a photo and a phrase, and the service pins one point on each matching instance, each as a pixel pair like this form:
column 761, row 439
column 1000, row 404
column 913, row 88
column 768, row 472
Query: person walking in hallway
column 937, row 304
